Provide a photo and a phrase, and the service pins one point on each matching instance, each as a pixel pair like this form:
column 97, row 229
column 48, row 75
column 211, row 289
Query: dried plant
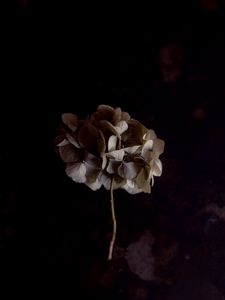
column 110, row 149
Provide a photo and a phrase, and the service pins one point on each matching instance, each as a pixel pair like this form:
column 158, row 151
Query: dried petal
column 128, row 170
column 70, row 120
column 112, row 143
column 69, row 154
column 77, row 172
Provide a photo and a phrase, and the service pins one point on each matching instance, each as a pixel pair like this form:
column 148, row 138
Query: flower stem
column 114, row 222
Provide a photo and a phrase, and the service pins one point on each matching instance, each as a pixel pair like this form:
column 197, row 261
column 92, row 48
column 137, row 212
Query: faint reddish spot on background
column 24, row 3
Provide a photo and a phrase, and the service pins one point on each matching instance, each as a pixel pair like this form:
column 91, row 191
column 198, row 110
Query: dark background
column 164, row 65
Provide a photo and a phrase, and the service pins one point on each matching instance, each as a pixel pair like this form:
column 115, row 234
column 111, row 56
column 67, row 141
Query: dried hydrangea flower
column 112, row 150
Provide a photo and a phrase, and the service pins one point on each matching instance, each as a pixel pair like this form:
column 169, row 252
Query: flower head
column 110, row 145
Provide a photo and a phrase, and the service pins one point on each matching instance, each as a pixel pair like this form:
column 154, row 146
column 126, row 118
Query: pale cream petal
column 121, row 127
column 156, row 167
column 77, row 172
column 131, row 187
column 112, row 143
column 149, row 135
column 117, row 154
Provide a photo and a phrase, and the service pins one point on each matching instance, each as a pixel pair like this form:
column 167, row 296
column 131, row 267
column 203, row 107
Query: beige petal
column 149, row 135
column 131, row 187
column 128, row 170
column 104, row 161
column 112, row 143
column 121, row 127
column 69, row 154
column 158, row 148
column 147, row 150
column 117, row 154
column 70, row 120
column 156, row 167
column 142, row 177
column 77, row 172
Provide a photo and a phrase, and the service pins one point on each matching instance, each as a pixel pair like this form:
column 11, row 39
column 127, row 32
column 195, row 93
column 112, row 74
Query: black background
column 57, row 57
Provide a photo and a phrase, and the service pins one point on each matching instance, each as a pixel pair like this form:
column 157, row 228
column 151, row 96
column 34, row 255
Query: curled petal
column 156, row 167
column 72, row 140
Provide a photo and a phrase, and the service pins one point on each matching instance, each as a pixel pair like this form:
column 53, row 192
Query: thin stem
column 114, row 222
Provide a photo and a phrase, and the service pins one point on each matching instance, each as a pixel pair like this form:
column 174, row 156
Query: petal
column 112, row 166
column 101, row 142
column 92, row 160
column 72, row 140
column 131, row 187
column 121, row 127
column 125, row 116
column 132, row 149
column 158, row 148
column 69, row 154
column 149, row 135
column 105, row 107
column 156, row 167
column 77, row 172
column 117, row 154
column 87, row 136
column 112, row 143
column 63, row 143
column 94, row 185
column 128, row 170
column 117, row 115
column 142, row 177
column 70, row 120
column 106, row 125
